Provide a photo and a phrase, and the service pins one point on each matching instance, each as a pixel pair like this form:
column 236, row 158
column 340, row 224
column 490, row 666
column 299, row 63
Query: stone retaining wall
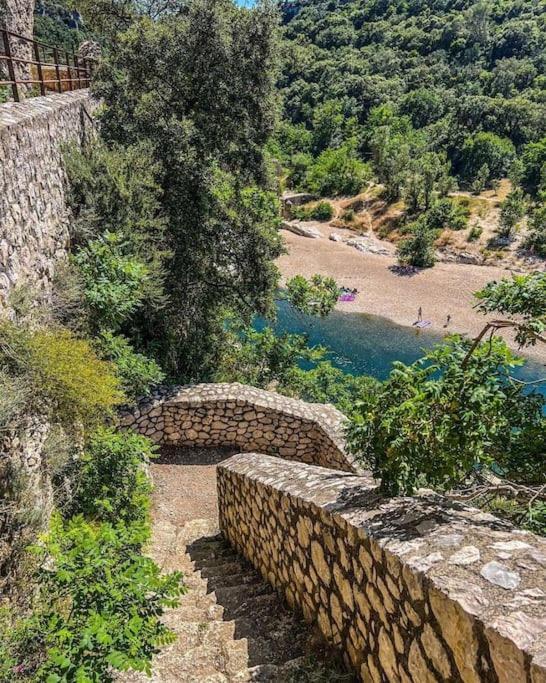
column 33, row 211
column 409, row 589
column 245, row 417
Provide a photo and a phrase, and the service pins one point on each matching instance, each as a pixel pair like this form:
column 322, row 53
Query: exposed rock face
column 378, row 575
column 33, row 210
column 246, row 418
column 18, row 16
column 25, row 493
column 303, row 229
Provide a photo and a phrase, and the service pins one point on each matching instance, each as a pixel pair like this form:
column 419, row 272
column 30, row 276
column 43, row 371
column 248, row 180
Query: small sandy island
column 443, row 290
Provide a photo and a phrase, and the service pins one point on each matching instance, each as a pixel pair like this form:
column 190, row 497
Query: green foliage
column 67, row 378
column 206, row 146
column 522, row 299
column 54, row 32
column 111, row 484
column 418, row 250
column 513, row 209
column 322, row 211
column 486, row 151
column 536, row 237
column 99, row 603
column 337, row 172
column 262, row 359
column 474, row 233
column 446, row 213
column 325, row 383
column 433, row 421
column 137, row 373
column 317, row 296
column 114, row 284
column 454, row 72
column 534, row 165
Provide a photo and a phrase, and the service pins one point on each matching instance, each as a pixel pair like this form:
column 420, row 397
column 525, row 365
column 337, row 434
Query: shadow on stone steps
column 281, row 647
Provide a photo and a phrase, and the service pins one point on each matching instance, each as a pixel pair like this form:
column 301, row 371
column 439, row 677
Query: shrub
column 114, row 283
column 316, row 296
column 474, row 233
column 111, row 483
column 136, row 372
column 336, row 172
column 445, row 213
column 418, row 250
column 431, row 422
column 536, row 237
column 67, row 378
column 99, row 602
column 323, row 211
column 512, row 211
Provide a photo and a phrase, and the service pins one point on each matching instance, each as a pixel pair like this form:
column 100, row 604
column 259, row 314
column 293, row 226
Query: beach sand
column 443, row 290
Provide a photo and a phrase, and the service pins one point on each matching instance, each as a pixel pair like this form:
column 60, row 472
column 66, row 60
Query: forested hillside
column 434, row 95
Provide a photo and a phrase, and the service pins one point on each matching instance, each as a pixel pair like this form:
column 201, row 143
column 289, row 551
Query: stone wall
column 409, row 589
column 247, row 418
column 33, row 210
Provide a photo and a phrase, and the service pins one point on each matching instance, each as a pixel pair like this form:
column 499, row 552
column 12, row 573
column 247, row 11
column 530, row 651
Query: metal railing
column 51, row 68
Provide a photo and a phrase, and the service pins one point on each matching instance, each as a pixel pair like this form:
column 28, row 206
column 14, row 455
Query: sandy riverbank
column 445, row 289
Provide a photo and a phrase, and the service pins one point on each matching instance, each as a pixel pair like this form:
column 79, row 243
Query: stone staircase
column 231, row 626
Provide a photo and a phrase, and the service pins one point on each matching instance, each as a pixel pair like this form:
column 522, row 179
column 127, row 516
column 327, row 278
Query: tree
column 418, row 250
column 337, row 172
column 317, row 296
column 536, row 237
column 534, row 165
column 196, row 90
column 513, row 209
column 431, row 422
column 486, row 150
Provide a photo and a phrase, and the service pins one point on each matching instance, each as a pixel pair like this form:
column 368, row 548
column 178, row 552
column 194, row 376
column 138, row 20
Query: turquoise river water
column 368, row 345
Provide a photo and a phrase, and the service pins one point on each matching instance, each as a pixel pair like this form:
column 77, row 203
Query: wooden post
column 77, row 65
column 11, row 69
column 70, row 84
column 57, row 70
column 39, row 67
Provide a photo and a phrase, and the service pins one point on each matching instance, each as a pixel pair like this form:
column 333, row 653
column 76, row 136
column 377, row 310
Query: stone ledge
column 15, row 113
column 246, row 417
column 409, row 589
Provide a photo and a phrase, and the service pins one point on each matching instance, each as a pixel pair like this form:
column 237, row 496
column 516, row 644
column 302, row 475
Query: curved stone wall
column 248, row 418
column 411, row 590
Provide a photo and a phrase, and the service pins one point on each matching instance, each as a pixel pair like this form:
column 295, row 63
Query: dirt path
column 231, row 625
column 445, row 289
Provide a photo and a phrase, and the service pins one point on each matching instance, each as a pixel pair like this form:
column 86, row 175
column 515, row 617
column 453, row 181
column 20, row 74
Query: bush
column 99, row 603
column 111, row 484
column 336, row 172
column 445, row 213
column 536, row 237
column 137, row 373
column 474, row 233
column 512, row 211
column 323, row 211
column 431, row 422
column 114, row 283
column 68, row 380
column 418, row 250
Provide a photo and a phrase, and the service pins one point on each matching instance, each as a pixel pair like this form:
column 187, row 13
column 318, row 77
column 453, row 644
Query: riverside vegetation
column 174, row 236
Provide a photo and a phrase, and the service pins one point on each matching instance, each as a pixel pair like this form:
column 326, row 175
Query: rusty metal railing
column 51, row 68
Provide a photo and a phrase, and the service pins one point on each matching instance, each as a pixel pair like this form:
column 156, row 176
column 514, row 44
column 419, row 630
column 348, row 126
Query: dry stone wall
column 247, row 418
column 33, row 211
column 409, row 589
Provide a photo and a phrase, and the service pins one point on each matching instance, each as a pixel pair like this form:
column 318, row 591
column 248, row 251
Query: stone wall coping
column 16, row 113
column 326, row 417
column 492, row 571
